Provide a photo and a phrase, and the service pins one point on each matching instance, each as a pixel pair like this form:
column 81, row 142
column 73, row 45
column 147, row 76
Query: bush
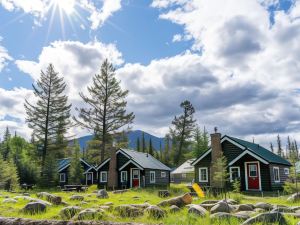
column 236, row 186
column 290, row 187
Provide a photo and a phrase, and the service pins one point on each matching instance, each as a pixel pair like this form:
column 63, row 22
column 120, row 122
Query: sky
column 238, row 62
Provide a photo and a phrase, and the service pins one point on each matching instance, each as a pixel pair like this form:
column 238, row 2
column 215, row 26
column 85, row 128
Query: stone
column 245, row 207
column 102, row 194
column 90, row 214
column 264, row 206
column 54, row 199
column 174, row 209
column 197, row 210
column 128, row 211
column 221, row 207
column 77, row 198
column 227, row 216
column 155, row 212
column 283, row 210
column 108, row 203
column 267, row 218
column 210, row 202
column 230, row 201
column 245, row 214
column 69, row 212
column 9, row 200
column 180, row 201
column 34, row 208
column 207, row 206
column 294, row 197
column 141, row 206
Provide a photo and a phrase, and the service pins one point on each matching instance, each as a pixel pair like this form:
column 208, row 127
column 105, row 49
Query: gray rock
column 128, row 211
column 207, row 206
column 210, row 202
column 102, row 194
column 228, row 216
column 174, row 209
column 69, row 212
column 155, row 212
column 267, row 218
column 264, row 206
column 90, row 214
column 9, row 200
column 245, row 207
column 34, row 208
column 230, row 201
column 294, row 197
column 198, row 210
column 283, row 209
column 141, row 206
column 54, row 199
column 221, row 207
column 108, row 203
column 77, row 198
column 245, row 214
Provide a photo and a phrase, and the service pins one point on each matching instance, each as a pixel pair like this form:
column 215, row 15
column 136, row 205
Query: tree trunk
column 112, row 172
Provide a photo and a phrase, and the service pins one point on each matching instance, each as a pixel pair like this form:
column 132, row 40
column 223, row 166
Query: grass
column 134, row 196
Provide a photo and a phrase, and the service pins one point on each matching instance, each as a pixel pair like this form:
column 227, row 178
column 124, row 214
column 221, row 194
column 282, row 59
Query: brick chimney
column 112, row 181
column 216, row 153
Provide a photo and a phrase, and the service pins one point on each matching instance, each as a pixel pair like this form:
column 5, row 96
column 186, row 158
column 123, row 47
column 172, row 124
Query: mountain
column 132, row 138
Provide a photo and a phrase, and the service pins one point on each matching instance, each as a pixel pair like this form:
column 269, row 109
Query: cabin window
column 152, row 177
column 163, row 174
column 276, row 174
column 253, row 170
column 234, row 173
column 123, row 176
column 286, row 171
column 203, row 174
column 103, row 176
column 62, row 177
column 89, row 176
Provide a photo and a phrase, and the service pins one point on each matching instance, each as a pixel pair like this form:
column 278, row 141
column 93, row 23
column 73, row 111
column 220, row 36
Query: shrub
column 290, row 187
column 236, row 186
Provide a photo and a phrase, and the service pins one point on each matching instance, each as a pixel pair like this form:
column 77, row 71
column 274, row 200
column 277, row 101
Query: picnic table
column 75, row 187
column 27, row 186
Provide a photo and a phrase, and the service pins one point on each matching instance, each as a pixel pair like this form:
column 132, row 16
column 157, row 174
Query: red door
column 135, row 178
column 253, row 176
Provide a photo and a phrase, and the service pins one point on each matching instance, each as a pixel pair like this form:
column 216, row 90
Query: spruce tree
column 144, row 148
column 167, row 149
column 200, row 141
column 5, row 147
column 138, row 147
column 47, row 115
column 271, row 147
column 279, row 148
column 183, row 127
column 106, row 106
column 150, row 147
column 76, row 169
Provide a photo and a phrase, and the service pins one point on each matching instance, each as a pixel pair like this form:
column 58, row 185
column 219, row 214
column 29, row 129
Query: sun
column 66, row 6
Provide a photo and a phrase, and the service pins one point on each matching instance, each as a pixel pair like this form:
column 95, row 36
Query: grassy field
column 134, row 196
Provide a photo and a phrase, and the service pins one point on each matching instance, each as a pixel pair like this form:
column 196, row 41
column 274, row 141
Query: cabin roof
column 186, row 167
column 65, row 162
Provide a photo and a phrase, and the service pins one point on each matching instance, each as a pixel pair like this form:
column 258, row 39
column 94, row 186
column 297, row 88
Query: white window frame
column 206, row 172
column 163, row 174
column 274, row 169
column 256, row 166
column 287, row 171
column 152, row 181
column 101, row 176
column 62, row 175
column 124, row 173
column 230, row 172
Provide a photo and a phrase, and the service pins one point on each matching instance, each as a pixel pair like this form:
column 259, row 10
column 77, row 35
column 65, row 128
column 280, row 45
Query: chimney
column 112, row 181
column 216, row 153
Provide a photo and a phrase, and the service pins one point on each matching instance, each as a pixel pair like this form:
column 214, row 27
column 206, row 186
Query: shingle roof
column 261, row 151
column 63, row 163
column 145, row 160
column 186, row 167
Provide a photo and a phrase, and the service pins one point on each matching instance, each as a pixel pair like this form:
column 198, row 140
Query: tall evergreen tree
column 138, row 147
column 289, row 147
column 200, row 141
column 271, row 147
column 76, row 170
column 107, row 106
column 50, row 113
column 151, row 152
column 5, row 147
column 167, row 149
column 279, row 148
column 183, row 127
column 144, row 148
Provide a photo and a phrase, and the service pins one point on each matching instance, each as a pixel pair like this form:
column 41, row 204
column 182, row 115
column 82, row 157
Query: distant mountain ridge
column 132, row 139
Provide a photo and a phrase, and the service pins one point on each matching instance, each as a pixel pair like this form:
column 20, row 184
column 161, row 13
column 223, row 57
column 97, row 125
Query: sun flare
column 66, row 6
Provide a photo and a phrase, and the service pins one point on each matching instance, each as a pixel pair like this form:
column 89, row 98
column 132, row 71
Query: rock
column 245, row 207
column 178, row 201
column 258, row 210
column 128, row 211
column 198, row 210
column 141, row 206
column 102, row 194
column 69, row 212
column 207, row 206
column 228, row 216
column 34, row 208
column 245, row 214
column 209, row 202
column 264, row 206
column 26, row 194
column 54, row 199
column 294, row 197
column 295, row 208
column 221, row 207
column 230, row 201
column 90, row 214
column 105, row 207
column 77, row 198
column 108, row 203
column 283, row 210
column 9, row 200
column 155, row 212
column 174, row 209
column 267, row 218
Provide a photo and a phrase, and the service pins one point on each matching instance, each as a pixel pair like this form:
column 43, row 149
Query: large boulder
column 245, row 207
column 178, row 201
column 54, row 199
column 197, row 210
column 294, row 197
column 128, row 211
column 34, row 208
column 264, row 206
column 69, row 212
column 9, row 200
column 155, row 212
column 221, row 207
column 102, row 194
column 227, row 216
column 90, row 214
column 77, row 198
column 267, row 218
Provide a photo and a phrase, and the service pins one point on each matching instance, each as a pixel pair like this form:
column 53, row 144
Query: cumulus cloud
column 39, row 9
column 4, row 56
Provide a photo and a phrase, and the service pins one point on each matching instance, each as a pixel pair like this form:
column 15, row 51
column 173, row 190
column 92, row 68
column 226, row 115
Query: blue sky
column 237, row 62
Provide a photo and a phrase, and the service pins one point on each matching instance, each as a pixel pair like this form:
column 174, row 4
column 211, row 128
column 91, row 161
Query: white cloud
column 39, row 9
column 4, row 56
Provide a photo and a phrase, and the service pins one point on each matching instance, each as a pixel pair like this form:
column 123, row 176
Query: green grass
column 130, row 197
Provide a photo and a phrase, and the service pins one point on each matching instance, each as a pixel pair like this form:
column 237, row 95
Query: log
column 178, row 201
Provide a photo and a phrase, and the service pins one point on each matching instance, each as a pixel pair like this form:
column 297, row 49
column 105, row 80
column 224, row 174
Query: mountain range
column 132, row 139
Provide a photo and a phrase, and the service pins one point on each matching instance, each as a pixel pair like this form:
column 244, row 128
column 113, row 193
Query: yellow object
column 198, row 190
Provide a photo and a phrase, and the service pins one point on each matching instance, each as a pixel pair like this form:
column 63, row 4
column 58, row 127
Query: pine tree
column 76, row 169
column 138, row 147
column 296, row 149
column 200, row 141
column 220, row 176
column 166, row 155
column 106, row 106
column 271, row 147
column 289, row 147
column 279, row 148
column 5, row 147
column 50, row 113
column 150, row 147
column 181, row 131
column 143, row 143
column 9, row 179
